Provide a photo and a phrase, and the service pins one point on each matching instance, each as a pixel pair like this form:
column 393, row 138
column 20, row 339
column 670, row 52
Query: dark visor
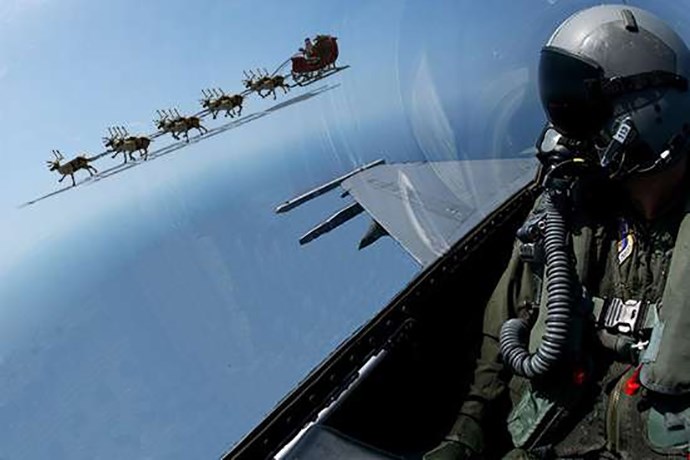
column 568, row 88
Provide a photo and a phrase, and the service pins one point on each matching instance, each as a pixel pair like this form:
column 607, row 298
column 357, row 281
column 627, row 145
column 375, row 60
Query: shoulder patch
column 626, row 241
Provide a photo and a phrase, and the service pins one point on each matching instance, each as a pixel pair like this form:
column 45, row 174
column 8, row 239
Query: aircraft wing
column 424, row 206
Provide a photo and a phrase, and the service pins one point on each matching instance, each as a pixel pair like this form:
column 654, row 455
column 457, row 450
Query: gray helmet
column 618, row 75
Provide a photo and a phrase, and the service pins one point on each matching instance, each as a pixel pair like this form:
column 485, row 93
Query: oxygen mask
column 614, row 157
column 564, row 159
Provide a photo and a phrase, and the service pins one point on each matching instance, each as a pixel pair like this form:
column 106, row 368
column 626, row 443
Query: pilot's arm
column 510, row 297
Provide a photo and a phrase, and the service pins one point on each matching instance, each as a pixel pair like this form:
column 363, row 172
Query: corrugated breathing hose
column 561, row 296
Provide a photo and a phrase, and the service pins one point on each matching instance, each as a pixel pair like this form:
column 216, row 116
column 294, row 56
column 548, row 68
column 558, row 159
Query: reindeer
column 69, row 168
column 216, row 100
column 262, row 82
column 121, row 141
column 176, row 123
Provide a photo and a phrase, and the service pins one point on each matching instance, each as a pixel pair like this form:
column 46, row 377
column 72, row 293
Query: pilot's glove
column 464, row 442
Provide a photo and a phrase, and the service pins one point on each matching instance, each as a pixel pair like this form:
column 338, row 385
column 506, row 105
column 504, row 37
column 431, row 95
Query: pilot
column 586, row 338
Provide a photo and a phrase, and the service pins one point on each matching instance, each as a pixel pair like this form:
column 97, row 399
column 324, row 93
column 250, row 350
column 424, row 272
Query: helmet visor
column 568, row 88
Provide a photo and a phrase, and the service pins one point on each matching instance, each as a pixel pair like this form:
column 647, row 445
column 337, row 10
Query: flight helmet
column 616, row 77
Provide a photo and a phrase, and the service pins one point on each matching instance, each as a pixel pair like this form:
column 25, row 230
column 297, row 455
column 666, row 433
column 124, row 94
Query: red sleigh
column 318, row 63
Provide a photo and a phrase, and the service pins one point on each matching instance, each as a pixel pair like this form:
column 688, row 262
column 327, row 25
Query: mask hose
column 561, row 296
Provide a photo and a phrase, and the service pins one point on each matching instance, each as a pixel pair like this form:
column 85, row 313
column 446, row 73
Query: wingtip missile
column 293, row 203
column 336, row 220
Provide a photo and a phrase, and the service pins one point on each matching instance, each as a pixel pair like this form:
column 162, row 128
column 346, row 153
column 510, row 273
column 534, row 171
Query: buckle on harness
column 622, row 317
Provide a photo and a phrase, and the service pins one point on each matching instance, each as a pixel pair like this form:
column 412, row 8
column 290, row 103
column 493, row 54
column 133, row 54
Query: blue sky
column 163, row 311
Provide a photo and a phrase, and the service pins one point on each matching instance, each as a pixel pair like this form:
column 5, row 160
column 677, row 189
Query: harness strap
column 632, row 317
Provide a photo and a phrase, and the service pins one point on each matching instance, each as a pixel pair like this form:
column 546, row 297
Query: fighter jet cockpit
column 237, row 250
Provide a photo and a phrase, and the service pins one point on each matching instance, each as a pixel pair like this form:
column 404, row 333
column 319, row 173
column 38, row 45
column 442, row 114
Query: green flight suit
column 618, row 265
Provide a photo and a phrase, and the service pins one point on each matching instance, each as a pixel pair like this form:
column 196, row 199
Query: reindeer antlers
column 117, row 131
column 252, row 75
column 58, row 156
column 210, row 92
column 165, row 114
